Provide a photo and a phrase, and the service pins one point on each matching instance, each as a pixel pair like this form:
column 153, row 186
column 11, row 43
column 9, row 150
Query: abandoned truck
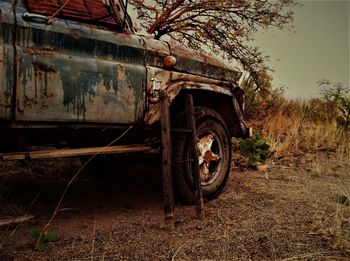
column 74, row 74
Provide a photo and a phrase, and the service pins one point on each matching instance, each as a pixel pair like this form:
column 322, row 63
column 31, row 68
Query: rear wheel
column 214, row 154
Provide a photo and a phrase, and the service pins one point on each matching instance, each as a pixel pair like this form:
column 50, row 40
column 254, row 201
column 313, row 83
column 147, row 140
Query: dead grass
column 336, row 226
column 291, row 134
column 321, row 148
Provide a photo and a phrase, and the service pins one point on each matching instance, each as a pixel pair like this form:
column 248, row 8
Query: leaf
column 51, row 236
column 35, row 233
column 42, row 246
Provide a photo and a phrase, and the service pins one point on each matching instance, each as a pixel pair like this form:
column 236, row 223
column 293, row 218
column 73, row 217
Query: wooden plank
column 191, row 122
column 168, row 194
column 15, row 220
column 62, row 153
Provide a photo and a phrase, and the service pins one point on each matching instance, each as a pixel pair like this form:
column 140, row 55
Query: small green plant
column 43, row 240
column 255, row 148
column 306, row 108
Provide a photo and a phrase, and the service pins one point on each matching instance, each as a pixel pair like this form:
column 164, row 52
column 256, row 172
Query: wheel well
column 220, row 102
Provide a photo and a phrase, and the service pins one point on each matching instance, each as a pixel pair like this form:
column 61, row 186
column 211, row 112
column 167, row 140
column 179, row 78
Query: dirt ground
column 297, row 210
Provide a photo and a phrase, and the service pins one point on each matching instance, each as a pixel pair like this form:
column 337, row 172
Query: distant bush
column 336, row 97
column 343, row 119
column 293, row 127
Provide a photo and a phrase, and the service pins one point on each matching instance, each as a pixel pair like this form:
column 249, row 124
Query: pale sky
column 319, row 47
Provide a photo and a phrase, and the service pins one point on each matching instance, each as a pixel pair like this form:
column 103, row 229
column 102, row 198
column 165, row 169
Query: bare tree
column 224, row 27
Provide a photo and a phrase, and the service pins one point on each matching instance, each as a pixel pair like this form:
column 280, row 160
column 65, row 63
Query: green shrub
column 255, row 148
column 306, row 108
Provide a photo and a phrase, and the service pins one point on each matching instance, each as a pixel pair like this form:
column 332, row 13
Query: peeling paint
column 79, row 73
column 6, row 82
column 6, row 59
column 70, row 71
column 91, row 89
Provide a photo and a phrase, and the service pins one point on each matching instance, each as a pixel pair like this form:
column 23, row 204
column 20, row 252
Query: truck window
column 87, row 11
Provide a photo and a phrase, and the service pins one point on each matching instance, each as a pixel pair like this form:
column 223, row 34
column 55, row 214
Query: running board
column 63, row 153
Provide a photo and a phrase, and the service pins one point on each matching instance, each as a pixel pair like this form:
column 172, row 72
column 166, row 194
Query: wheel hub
column 207, row 157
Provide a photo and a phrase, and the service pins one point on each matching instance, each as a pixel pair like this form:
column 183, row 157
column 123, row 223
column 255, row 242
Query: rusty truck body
column 72, row 74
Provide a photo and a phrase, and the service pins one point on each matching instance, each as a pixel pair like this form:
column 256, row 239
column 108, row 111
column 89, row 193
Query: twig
column 25, row 215
column 28, row 209
column 50, row 18
column 177, row 251
column 93, row 239
column 14, row 220
column 45, row 228
column 323, row 254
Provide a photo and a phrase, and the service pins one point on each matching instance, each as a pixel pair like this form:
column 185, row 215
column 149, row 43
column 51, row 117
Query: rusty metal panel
column 202, row 64
column 6, row 58
column 77, row 89
column 87, row 11
column 6, row 81
column 172, row 82
column 84, row 10
column 189, row 61
column 156, row 52
column 72, row 72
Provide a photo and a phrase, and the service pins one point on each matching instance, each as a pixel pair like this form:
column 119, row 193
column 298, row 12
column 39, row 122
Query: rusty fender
column 173, row 89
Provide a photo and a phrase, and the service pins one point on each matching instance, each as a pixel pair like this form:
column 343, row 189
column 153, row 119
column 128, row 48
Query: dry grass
column 294, row 130
column 335, row 227
column 333, row 224
column 290, row 133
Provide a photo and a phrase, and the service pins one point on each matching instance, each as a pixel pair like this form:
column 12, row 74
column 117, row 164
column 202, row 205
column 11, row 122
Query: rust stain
column 209, row 157
column 40, row 66
column 48, row 94
column 28, row 102
column 41, row 51
column 19, row 110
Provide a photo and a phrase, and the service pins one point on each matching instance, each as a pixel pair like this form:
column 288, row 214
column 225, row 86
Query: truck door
column 7, row 24
column 72, row 70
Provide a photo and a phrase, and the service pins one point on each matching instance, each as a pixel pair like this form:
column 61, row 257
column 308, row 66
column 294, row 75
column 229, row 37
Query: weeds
column 311, row 131
column 336, row 229
column 45, row 240
column 58, row 206
column 255, row 148
column 306, row 108
column 292, row 135
column 295, row 127
column 333, row 93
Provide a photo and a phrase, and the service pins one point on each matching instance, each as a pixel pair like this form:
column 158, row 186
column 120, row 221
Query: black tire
column 210, row 126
